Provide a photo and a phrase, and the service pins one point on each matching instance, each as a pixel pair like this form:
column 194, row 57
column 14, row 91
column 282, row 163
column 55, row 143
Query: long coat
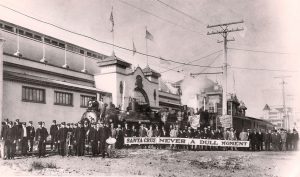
column 30, row 132
column 62, row 134
column 40, row 134
column 79, row 135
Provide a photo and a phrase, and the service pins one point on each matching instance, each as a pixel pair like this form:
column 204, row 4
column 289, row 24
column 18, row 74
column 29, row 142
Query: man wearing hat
column 24, row 140
column 10, row 140
column 4, row 128
column 73, row 133
column 69, row 139
column 18, row 129
column 295, row 139
column 93, row 139
column 61, row 138
column 45, row 131
column 102, row 135
column 53, row 135
column 40, row 137
column 31, row 134
column 79, row 139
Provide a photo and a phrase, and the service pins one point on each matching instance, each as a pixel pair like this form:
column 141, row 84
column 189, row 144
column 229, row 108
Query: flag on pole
column 149, row 35
column 112, row 20
column 133, row 48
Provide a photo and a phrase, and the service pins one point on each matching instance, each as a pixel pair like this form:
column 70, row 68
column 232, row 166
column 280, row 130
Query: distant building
column 208, row 96
column 275, row 115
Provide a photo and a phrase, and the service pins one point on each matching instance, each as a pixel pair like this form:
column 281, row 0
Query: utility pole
column 286, row 120
column 224, row 31
column 292, row 106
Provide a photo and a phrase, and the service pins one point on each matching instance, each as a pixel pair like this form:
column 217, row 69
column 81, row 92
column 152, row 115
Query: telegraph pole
column 286, row 120
column 224, row 31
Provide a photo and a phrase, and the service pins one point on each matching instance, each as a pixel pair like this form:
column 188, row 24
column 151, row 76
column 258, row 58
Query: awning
column 42, row 81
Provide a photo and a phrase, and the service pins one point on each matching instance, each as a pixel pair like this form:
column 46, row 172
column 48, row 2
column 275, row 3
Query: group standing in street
column 83, row 138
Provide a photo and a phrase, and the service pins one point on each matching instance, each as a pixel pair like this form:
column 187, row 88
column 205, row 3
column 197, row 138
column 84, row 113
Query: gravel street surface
column 160, row 163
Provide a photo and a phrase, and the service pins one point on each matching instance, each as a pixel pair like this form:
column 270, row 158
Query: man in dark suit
column 93, row 139
column 79, row 138
column 104, row 134
column 40, row 137
column 259, row 137
column 9, row 137
column 18, row 130
column 31, row 134
column 24, row 140
column 267, row 140
column 253, row 139
column 45, row 132
column 61, row 138
column 295, row 139
column 5, row 126
column 73, row 133
column 53, row 133
column 276, row 138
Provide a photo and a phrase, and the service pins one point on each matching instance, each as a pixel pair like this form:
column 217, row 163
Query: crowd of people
column 84, row 137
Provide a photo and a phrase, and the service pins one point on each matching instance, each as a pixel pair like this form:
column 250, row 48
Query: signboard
column 226, row 121
column 185, row 141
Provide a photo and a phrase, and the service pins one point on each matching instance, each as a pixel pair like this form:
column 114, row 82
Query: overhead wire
column 195, row 61
column 259, row 51
column 160, row 58
column 166, row 20
column 100, row 41
column 263, row 69
column 179, row 11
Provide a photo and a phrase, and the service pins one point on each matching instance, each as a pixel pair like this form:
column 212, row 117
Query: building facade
column 276, row 115
column 46, row 78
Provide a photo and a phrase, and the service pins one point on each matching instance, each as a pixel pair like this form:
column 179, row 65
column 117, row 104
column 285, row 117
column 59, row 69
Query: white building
column 46, row 78
column 275, row 115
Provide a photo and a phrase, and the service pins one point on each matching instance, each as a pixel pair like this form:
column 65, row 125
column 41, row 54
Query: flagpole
column 146, row 47
column 113, row 30
column 132, row 50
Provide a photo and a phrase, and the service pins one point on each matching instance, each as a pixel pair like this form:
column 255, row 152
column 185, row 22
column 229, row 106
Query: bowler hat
column 63, row 123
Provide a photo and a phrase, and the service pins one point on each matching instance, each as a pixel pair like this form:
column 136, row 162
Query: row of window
column 51, row 41
column 37, row 95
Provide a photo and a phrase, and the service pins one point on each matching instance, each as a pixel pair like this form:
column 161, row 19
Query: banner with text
column 185, row 141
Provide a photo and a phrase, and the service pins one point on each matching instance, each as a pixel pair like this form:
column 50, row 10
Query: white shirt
column 25, row 131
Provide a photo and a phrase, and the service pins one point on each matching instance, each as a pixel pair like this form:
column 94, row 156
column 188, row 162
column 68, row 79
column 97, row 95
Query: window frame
column 82, row 98
column 60, row 98
column 27, row 90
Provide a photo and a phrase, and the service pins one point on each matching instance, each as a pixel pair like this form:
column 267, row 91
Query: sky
column 269, row 25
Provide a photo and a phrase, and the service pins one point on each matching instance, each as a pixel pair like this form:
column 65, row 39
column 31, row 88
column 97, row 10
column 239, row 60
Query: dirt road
column 162, row 163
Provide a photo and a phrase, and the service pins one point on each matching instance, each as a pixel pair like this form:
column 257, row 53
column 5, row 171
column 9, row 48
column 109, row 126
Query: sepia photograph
column 150, row 88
